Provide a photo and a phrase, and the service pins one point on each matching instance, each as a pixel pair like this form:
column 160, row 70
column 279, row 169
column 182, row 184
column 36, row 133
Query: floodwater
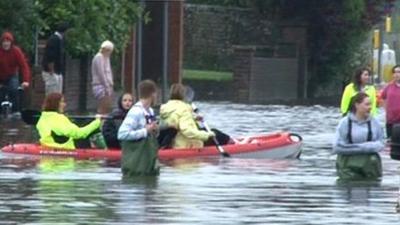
column 45, row 190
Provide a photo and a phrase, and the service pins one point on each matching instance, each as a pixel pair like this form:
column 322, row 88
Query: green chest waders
column 140, row 158
column 359, row 166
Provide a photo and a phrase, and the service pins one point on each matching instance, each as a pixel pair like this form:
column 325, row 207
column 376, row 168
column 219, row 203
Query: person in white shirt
column 54, row 61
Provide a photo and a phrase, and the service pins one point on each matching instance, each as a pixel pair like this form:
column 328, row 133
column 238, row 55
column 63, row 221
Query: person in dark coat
column 53, row 61
column 111, row 126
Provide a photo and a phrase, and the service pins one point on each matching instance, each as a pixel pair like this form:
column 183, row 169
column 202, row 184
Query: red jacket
column 12, row 60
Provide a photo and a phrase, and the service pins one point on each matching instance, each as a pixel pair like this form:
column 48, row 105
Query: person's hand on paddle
column 199, row 118
column 211, row 134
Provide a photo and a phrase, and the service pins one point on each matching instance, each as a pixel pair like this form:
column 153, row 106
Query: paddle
column 216, row 142
column 31, row 117
column 189, row 95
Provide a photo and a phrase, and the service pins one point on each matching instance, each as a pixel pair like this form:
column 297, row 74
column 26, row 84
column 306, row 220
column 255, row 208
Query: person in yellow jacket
column 179, row 114
column 56, row 130
column 360, row 83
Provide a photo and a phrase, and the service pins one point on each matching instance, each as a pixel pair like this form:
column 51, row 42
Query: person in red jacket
column 12, row 62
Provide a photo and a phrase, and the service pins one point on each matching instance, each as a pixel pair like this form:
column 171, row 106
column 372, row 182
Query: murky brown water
column 45, row 190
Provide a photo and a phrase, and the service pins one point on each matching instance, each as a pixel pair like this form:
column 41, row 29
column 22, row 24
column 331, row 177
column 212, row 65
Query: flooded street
column 46, row 190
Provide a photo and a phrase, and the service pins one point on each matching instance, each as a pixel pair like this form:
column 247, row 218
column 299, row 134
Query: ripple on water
column 38, row 190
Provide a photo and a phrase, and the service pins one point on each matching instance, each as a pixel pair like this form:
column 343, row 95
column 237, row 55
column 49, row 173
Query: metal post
column 379, row 55
column 123, row 65
column 139, row 46
column 133, row 86
column 36, row 46
column 165, row 53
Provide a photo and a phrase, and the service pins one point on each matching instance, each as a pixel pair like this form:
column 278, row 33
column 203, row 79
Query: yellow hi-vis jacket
column 62, row 126
column 179, row 114
column 350, row 91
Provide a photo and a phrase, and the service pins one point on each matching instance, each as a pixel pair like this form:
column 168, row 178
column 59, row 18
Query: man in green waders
column 137, row 134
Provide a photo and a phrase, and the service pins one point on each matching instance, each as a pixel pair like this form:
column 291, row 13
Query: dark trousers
column 389, row 128
column 10, row 89
column 221, row 137
column 166, row 137
column 359, row 167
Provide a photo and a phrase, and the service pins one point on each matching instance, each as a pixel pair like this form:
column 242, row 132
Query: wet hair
column 357, row 99
column 52, row 102
column 177, row 92
column 357, row 77
column 395, row 67
column 147, row 88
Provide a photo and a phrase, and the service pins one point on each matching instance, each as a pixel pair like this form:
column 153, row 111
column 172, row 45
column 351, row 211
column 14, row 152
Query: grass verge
column 207, row 75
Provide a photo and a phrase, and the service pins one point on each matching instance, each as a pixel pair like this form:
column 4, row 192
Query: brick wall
column 273, row 80
column 242, row 71
column 34, row 96
column 211, row 31
column 73, row 89
column 262, row 75
column 175, row 39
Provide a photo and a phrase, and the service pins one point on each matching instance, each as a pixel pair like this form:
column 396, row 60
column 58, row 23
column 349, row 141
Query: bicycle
column 6, row 104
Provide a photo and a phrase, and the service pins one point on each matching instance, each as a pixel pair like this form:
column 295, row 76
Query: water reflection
column 356, row 195
column 13, row 130
column 42, row 190
column 16, row 199
column 69, row 200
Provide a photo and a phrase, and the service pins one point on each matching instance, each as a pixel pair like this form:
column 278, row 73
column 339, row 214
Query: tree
column 336, row 31
column 20, row 17
column 91, row 22
column 236, row 3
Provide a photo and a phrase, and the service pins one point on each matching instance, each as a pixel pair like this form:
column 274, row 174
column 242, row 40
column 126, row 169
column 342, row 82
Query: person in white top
column 53, row 61
column 102, row 77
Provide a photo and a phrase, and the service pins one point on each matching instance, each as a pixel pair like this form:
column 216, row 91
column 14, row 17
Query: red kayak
column 272, row 146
